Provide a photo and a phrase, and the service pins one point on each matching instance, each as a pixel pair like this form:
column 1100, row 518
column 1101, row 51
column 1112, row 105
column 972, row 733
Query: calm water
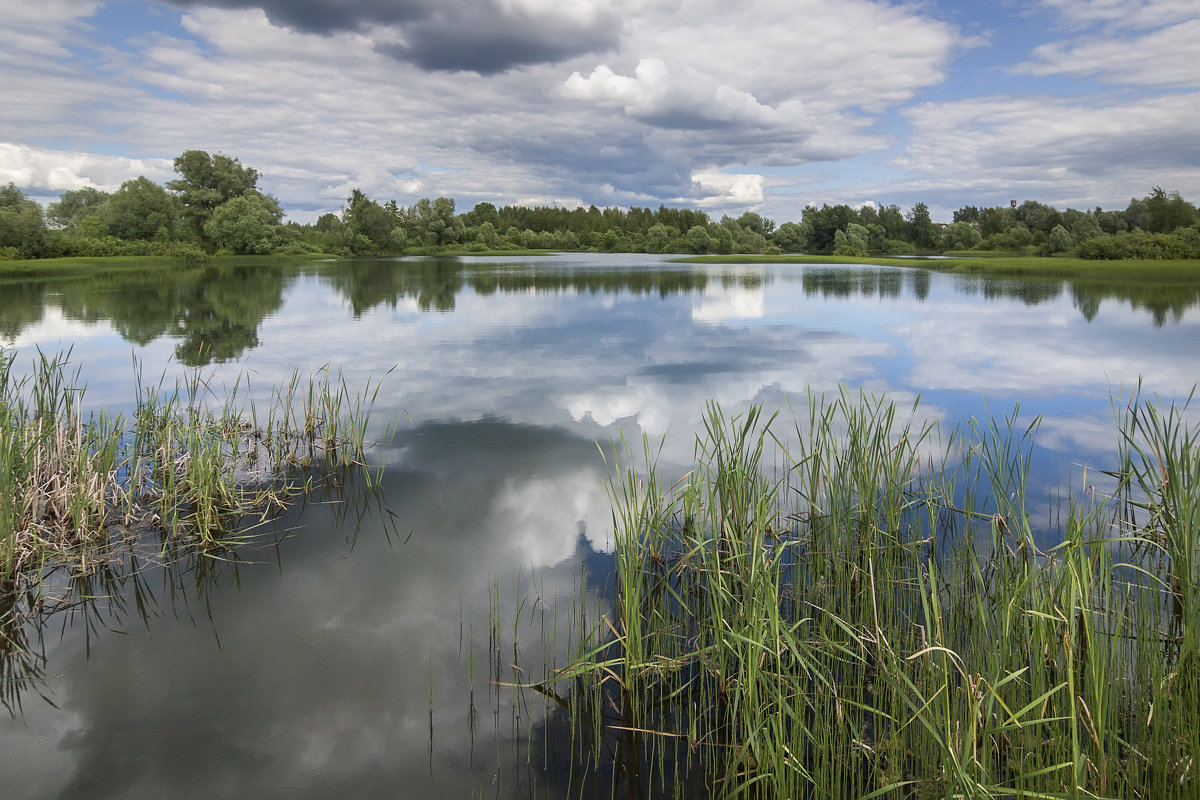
column 354, row 659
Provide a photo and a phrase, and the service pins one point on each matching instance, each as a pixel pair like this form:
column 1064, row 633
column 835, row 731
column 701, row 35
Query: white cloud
column 721, row 190
column 60, row 171
column 718, row 305
column 1057, row 150
column 695, row 102
column 1165, row 57
column 1126, row 13
column 680, row 97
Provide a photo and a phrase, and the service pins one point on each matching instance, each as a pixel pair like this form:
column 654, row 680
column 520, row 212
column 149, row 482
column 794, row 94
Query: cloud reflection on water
column 313, row 677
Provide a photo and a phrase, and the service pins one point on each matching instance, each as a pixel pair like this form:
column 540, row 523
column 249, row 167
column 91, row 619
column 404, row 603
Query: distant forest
column 215, row 207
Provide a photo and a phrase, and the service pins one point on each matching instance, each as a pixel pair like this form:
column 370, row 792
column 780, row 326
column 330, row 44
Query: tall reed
column 867, row 612
column 194, row 461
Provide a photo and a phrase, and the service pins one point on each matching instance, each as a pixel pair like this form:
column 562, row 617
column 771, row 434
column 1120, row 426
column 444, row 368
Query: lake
column 368, row 648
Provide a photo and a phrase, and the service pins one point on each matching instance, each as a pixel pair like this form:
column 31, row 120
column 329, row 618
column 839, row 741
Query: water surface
column 351, row 653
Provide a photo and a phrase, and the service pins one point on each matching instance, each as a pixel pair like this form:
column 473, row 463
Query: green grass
column 869, row 614
column 56, row 267
column 1178, row 271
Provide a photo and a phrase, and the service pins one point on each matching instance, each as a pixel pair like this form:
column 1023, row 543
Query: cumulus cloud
column 855, row 53
column 713, row 189
column 612, row 102
column 682, row 97
column 57, row 171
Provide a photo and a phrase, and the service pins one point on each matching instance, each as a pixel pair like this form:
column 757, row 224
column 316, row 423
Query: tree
column 852, row 241
column 434, row 221
column 994, row 220
column 368, row 225
column 789, row 237
column 698, row 239
column 723, row 238
column 75, row 205
column 1059, row 240
column 139, row 209
column 22, row 225
column 821, row 225
column 658, row 237
column 1165, row 212
column 206, row 182
column 1037, row 216
column 892, row 221
column 920, row 227
column 967, row 214
column 960, row 235
column 484, row 212
column 753, row 222
column 1085, row 228
column 246, row 225
column 486, row 234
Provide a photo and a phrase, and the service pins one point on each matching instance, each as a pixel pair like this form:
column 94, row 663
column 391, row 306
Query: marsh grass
column 193, row 463
column 867, row 613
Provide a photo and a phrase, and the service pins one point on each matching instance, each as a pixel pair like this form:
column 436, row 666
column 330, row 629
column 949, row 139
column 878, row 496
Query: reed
column 194, row 462
column 867, row 613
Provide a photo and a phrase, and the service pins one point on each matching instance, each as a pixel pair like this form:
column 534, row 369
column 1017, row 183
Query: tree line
column 215, row 206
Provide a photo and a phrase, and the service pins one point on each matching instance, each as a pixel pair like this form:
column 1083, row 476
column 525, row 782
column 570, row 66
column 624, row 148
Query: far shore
column 1186, row 271
column 1164, row 271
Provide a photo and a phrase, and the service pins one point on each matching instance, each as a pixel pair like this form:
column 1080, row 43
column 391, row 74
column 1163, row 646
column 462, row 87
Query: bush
column 899, row 247
column 1140, row 245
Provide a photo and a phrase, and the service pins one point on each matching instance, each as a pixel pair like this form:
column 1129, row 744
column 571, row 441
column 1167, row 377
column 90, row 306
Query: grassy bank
column 858, row 618
column 192, row 463
column 57, row 267
column 1166, row 271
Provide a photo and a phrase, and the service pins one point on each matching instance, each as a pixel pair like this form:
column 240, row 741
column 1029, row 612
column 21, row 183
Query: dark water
column 353, row 652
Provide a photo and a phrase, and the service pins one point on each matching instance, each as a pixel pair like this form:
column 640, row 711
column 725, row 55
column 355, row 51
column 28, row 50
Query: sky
column 757, row 105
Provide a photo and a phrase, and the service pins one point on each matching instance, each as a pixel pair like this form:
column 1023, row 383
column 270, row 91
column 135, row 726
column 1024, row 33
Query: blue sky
column 764, row 105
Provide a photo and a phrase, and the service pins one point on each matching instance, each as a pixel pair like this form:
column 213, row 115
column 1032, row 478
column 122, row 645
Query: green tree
column 246, row 225
column 1037, row 217
column 484, row 212
column 367, row 225
column 920, row 227
column 74, row 205
column 753, row 222
column 1084, row 228
column 1059, row 240
column 206, row 182
column 1165, row 212
column 821, row 225
column 698, row 239
column 22, row 225
column 139, row 209
column 722, row 236
column 852, row 241
column 994, row 220
column 960, row 235
column 967, row 214
column 486, row 234
column 789, row 237
column 658, row 237
column 435, row 223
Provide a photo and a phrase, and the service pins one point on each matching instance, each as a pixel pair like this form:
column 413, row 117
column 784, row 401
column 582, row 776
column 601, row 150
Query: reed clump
column 868, row 613
column 191, row 463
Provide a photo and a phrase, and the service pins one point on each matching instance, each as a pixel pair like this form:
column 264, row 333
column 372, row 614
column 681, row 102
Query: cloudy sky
column 764, row 105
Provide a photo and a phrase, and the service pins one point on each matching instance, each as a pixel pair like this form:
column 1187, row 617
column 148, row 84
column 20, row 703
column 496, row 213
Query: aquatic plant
column 194, row 461
column 868, row 613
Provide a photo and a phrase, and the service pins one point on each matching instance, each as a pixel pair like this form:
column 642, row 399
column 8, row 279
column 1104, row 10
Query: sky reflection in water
column 315, row 672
